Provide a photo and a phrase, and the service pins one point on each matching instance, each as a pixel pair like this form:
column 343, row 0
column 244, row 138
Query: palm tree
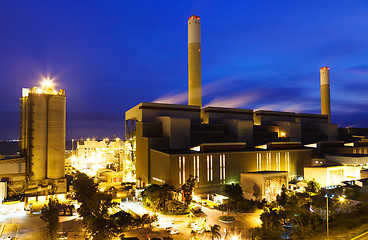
column 215, row 232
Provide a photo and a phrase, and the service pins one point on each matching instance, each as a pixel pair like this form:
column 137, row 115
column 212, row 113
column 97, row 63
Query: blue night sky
column 112, row 55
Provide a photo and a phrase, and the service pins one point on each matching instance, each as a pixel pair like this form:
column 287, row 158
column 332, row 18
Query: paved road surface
column 10, row 231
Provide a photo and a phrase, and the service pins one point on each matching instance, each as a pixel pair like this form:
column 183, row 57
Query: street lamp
column 341, row 200
column 326, row 196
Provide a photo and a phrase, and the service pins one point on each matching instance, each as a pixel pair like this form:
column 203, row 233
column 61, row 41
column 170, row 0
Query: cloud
column 173, row 98
column 207, row 89
column 236, row 100
column 360, row 69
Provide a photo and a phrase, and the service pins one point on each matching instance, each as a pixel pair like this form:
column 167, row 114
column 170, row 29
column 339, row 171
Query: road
column 21, row 226
column 244, row 221
column 363, row 236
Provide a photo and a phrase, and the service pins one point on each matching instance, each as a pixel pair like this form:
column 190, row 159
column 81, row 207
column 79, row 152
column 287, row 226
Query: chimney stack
column 194, row 62
column 325, row 92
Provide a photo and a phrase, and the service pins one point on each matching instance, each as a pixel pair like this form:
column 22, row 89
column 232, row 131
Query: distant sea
column 8, row 148
column 11, row 147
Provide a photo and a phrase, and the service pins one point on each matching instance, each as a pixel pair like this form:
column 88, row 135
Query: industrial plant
column 39, row 169
column 225, row 145
column 167, row 143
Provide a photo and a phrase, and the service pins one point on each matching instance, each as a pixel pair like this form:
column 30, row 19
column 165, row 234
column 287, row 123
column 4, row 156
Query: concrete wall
column 56, row 137
column 292, row 161
column 213, row 115
column 177, row 130
column 147, row 112
column 266, row 117
column 38, row 135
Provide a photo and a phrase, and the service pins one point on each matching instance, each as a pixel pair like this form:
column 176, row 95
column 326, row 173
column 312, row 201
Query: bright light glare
column 282, row 134
column 235, row 237
column 341, row 199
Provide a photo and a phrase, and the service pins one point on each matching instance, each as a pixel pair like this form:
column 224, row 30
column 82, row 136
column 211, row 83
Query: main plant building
column 219, row 145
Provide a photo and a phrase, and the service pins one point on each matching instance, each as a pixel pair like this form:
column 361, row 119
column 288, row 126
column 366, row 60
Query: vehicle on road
column 62, row 235
column 193, row 225
column 168, row 229
column 174, row 232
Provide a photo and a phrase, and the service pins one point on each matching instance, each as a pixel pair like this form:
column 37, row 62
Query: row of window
column 181, row 165
column 268, row 164
column 360, row 151
column 261, row 165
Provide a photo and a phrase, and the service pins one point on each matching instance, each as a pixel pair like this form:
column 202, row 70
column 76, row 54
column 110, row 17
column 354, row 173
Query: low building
column 263, row 184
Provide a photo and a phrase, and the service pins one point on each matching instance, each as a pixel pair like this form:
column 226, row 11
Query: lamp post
column 341, row 199
column 327, row 215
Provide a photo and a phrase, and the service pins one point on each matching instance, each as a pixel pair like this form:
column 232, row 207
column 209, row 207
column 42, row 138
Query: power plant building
column 42, row 136
column 219, row 145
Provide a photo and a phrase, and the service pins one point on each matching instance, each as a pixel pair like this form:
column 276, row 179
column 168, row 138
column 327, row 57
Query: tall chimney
column 194, row 62
column 325, row 92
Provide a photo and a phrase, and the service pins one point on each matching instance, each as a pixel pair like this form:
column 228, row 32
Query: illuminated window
column 259, row 162
column 183, row 169
column 287, row 161
column 222, row 167
column 179, row 170
column 278, row 161
column 269, row 158
column 209, row 169
column 196, row 167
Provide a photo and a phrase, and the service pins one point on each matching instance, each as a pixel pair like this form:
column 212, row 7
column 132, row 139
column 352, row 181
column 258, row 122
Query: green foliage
column 236, row 201
column 189, row 186
column 123, row 220
column 161, row 198
column 283, row 198
column 215, row 232
column 94, row 208
column 50, row 215
column 233, row 191
column 167, row 238
column 226, row 218
column 313, row 187
column 271, row 224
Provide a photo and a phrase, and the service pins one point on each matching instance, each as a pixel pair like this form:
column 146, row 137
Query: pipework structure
column 42, row 132
column 325, row 92
column 194, row 62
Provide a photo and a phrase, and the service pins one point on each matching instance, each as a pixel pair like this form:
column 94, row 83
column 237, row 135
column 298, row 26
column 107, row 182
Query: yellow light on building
column 282, row 134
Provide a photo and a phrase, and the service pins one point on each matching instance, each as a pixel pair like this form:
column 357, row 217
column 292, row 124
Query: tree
column 188, row 188
column 50, row 215
column 233, row 192
column 271, row 224
column 94, row 208
column 283, row 198
column 313, row 187
column 167, row 238
column 215, row 232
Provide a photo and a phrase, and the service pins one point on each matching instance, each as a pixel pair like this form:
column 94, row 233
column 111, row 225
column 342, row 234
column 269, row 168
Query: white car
column 174, row 231
column 193, row 225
